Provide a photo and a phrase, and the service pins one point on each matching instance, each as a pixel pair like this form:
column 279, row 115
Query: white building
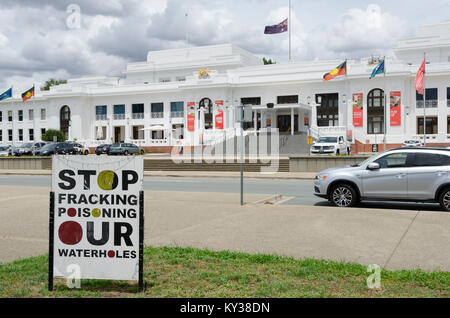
column 166, row 94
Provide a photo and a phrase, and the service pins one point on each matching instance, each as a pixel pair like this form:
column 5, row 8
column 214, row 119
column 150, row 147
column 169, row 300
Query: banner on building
column 96, row 218
column 219, row 114
column 191, row 116
column 358, row 110
column 396, row 108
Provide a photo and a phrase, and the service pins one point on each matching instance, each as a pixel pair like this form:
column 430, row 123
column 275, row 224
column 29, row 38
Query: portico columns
column 292, row 122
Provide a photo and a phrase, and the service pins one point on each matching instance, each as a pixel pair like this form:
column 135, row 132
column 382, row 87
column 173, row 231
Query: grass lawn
column 186, row 272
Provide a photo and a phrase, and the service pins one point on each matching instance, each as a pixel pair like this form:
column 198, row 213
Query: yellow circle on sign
column 107, row 180
column 96, row 213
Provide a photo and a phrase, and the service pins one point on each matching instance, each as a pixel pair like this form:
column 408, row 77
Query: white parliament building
column 189, row 96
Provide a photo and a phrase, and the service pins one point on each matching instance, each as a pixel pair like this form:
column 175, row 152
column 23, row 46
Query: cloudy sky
column 47, row 38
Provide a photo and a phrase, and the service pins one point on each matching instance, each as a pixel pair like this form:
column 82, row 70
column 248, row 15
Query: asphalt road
column 299, row 190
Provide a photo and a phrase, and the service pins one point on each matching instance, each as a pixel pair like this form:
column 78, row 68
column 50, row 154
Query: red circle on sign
column 72, row 212
column 111, row 254
column 70, row 233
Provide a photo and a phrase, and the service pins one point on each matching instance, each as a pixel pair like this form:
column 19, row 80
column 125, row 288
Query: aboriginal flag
column 338, row 71
column 28, row 94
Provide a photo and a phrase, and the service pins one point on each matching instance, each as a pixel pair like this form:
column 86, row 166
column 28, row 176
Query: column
column 255, row 120
column 292, row 121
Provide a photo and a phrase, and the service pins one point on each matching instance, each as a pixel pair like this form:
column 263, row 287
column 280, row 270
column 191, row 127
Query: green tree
column 268, row 61
column 52, row 82
column 48, row 136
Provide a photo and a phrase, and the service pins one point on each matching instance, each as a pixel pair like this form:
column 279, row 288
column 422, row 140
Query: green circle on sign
column 107, row 180
column 96, row 213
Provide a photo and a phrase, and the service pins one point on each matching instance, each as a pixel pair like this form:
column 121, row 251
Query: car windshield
column 3, row 148
column 326, row 139
column 27, row 145
column 49, row 147
column 115, row 145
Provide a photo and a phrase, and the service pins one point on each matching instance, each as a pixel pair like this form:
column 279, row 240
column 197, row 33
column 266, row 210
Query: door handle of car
column 439, row 173
column 401, row 175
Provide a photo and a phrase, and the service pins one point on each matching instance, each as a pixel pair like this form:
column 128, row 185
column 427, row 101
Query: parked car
column 335, row 145
column 417, row 174
column 14, row 150
column 47, row 150
column 30, row 148
column 102, row 149
column 66, row 148
column 81, row 149
column 412, row 143
column 4, row 151
column 124, row 149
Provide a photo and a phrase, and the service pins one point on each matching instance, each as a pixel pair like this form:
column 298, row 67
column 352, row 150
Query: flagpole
column 289, row 25
column 424, row 104
column 385, row 103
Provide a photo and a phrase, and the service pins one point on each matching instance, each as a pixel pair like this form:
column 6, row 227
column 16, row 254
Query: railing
column 138, row 116
column 100, row 117
column 138, row 142
column 179, row 114
column 119, row 116
column 428, row 104
column 157, row 115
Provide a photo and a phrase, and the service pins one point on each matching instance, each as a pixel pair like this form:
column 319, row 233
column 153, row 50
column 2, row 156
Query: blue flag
column 7, row 94
column 379, row 69
column 277, row 28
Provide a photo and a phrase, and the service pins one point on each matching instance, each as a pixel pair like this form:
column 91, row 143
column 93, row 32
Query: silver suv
column 403, row 174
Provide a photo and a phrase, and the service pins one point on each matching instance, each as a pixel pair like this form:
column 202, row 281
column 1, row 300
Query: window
column 251, row 101
column 431, row 95
column 177, row 109
column 31, row 134
column 101, row 112
column 43, row 114
column 10, row 115
column 164, row 80
column 431, row 125
column 138, row 111
column 119, row 112
column 10, row 135
column 448, row 125
column 1, row 135
column 395, row 160
column 20, row 113
column 181, row 78
column 30, row 114
column 448, row 96
column 328, row 111
column 42, row 132
column 1, row 117
column 291, row 99
column 20, row 134
column 375, row 111
column 428, row 160
column 157, row 110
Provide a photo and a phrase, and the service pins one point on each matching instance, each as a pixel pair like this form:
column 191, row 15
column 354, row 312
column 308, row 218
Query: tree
column 48, row 136
column 52, row 82
column 268, row 61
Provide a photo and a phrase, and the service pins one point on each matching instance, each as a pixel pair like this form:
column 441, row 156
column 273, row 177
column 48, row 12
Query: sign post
column 243, row 115
column 96, row 219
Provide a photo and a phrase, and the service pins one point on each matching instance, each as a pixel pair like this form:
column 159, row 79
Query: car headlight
column 321, row 177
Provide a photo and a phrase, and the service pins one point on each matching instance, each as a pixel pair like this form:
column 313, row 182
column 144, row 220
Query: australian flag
column 277, row 28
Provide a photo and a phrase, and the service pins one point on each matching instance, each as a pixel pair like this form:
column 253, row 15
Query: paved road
column 299, row 190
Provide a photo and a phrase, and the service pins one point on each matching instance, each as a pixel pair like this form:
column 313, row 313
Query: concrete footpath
column 189, row 174
column 392, row 239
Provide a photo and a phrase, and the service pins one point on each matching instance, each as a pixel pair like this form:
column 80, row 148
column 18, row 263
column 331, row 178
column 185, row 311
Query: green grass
column 187, row 272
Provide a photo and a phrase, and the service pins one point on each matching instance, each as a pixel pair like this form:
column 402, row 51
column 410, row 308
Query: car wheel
column 338, row 152
column 126, row 153
column 343, row 195
column 444, row 199
column 348, row 151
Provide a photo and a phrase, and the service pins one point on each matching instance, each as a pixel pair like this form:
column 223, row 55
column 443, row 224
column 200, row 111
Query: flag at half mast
column 28, row 94
column 338, row 71
column 277, row 28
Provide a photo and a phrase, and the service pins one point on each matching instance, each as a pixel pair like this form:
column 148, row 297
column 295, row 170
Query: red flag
column 418, row 83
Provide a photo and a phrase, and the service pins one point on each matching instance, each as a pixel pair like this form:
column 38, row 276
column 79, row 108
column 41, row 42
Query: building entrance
column 284, row 123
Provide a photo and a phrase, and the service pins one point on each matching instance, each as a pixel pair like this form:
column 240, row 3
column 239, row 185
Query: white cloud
column 4, row 41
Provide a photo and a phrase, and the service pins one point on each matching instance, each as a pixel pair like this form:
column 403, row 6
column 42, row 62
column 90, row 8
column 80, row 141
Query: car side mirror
column 373, row 166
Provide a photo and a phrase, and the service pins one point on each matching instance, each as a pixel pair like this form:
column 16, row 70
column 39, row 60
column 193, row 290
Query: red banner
column 396, row 109
column 191, row 116
column 219, row 119
column 358, row 110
